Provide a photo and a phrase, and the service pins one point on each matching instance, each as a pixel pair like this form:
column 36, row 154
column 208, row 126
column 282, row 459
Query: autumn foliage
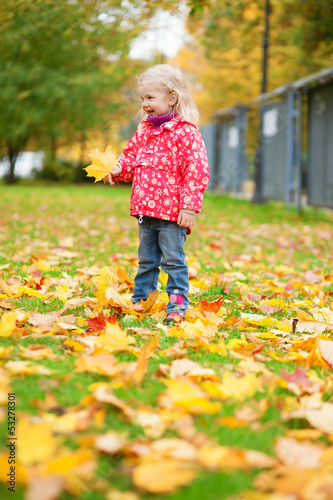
column 235, row 401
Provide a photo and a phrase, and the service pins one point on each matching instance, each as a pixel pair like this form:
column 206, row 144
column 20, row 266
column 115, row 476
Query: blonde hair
column 168, row 79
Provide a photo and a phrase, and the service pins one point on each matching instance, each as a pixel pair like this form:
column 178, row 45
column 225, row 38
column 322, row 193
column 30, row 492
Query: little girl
column 167, row 162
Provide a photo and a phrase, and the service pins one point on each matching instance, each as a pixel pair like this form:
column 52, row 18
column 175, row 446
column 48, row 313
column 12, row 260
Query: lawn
column 103, row 402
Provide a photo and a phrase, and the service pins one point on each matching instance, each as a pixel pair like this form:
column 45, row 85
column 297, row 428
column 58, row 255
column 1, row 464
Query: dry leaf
column 26, row 368
column 142, row 365
column 103, row 364
column 111, row 442
column 121, row 495
column 187, row 395
column 326, row 350
column 102, row 394
column 163, row 476
column 37, row 443
column 75, row 467
column 7, row 324
column 114, row 339
column 238, row 388
column 102, row 163
column 301, row 454
column 46, row 488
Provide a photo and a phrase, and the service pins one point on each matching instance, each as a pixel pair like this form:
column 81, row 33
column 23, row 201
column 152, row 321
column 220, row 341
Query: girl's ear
column 173, row 98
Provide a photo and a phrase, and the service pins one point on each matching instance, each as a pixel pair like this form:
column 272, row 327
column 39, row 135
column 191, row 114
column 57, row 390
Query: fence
column 283, row 111
column 225, row 140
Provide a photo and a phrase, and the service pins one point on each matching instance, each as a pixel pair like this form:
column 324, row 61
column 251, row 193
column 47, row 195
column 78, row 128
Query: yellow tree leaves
column 102, row 163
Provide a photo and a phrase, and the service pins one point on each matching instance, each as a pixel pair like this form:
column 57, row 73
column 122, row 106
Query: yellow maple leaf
column 102, row 163
column 7, row 324
column 115, row 339
column 233, row 387
column 37, row 443
column 74, row 466
column 189, row 396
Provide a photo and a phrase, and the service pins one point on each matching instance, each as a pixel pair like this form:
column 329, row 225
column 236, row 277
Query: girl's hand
column 108, row 179
column 185, row 219
column 115, row 172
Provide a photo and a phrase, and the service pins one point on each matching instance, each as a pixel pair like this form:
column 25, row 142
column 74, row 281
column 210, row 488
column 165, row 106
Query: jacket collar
column 167, row 125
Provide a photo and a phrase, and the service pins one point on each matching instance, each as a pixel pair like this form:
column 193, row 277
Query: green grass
column 70, row 229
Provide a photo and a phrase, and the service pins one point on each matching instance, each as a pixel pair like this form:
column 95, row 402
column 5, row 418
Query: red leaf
column 299, row 377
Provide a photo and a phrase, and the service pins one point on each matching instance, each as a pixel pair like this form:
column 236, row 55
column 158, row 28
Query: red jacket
column 168, row 167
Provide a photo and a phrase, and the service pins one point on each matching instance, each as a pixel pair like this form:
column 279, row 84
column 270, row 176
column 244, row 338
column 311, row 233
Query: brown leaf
column 149, row 302
column 102, row 394
column 46, row 488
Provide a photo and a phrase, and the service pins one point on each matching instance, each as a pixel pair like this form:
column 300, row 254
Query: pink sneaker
column 173, row 317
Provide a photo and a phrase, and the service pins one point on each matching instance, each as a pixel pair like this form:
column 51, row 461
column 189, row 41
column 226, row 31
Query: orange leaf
column 215, row 306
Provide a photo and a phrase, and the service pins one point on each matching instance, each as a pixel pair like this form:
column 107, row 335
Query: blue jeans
column 162, row 244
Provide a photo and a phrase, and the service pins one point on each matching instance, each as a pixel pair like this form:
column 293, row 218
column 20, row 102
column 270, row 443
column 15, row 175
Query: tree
column 226, row 55
column 62, row 67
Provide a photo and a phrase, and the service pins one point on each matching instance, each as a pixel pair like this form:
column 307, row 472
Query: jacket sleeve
column 127, row 159
column 194, row 172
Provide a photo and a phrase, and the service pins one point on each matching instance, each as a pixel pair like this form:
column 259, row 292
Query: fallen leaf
column 115, row 339
column 184, row 366
column 7, row 324
column 301, row 454
column 163, row 476
column 26, row 368
column 321, row 418
column 110, row 443
column 238, row 388
column 121, row 495
column 75, row 467
column 142, row 365
column 187, row 395
column 229, row 458
column 37, row 443
column 103, row 364
column 326, row 350
column 104, row 395
column 45, row 488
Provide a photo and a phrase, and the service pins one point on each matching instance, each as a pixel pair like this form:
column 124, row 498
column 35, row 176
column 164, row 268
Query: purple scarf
column 157, row 121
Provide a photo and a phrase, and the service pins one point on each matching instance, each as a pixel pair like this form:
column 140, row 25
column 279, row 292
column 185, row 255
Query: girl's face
column 155, row 102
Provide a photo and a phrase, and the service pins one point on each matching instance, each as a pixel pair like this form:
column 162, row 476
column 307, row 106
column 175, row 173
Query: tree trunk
column 13, row 152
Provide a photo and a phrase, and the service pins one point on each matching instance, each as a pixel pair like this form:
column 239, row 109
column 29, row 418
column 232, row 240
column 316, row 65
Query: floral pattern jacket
column 168, row 167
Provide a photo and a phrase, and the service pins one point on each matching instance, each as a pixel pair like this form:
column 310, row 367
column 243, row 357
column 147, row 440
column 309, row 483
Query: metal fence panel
column 320, row 146
column 275, row 119
column 209, row 135
column 228, row 169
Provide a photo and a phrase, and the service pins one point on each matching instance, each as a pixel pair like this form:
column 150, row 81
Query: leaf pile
column 235, row 401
